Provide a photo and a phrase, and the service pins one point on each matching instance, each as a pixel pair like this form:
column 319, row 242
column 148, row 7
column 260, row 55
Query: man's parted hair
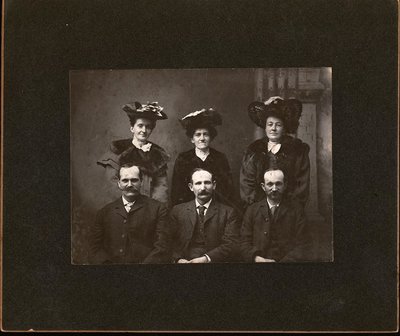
column 275, row 169
column 129, row 165
column 200, row 169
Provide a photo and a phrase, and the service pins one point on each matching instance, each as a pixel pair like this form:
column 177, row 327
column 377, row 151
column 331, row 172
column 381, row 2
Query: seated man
column 203, row 229
column 132, row 228
column 274, row 229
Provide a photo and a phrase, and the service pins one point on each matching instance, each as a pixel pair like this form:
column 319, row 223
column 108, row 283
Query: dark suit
column 221, row 231
column 139, row 236
column 284, row 238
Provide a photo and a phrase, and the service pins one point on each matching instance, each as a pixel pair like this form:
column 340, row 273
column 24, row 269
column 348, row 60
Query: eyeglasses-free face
column 274, row 129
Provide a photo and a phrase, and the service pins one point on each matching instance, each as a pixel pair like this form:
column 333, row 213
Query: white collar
column 207, row 205
column 274, row 147
column 271, row 205
column 127, row 202
column 200, row 154
column 145, row 148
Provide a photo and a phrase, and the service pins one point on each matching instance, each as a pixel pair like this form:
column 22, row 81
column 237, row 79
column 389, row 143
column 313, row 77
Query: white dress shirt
column 206, row 206
column 128, row 205
column 271, row 205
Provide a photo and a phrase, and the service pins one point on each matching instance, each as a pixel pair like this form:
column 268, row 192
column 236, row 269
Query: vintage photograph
column 258, row 138
column 201, row 165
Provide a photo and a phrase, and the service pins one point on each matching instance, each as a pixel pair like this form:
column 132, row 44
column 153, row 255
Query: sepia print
column 141, row 134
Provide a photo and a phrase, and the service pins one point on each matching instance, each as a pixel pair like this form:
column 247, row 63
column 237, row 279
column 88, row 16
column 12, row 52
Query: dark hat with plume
column 151, row 111
column 288, row 110
column 202, row 118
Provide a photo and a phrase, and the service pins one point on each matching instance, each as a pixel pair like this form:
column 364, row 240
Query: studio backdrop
column 97, row 119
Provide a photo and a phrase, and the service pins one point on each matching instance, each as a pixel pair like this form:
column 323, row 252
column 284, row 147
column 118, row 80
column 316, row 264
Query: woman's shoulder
column 158, row 153
column 295, row 143
column 258, row 145
column 119, row 146
column 153, row 159
column 186, row 154
column 217, row 154
column 157, row 148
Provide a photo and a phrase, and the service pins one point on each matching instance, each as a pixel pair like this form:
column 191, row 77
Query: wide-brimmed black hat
column 151, row 111
column 203, row 118
column 288, row 110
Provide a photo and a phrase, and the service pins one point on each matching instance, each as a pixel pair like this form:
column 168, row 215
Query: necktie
column 128, row 206
column 201, row 212
column 273, row 209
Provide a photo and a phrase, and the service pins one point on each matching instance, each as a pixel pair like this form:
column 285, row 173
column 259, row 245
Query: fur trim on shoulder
column 161, row 151
column 154, row 162
column 295, row 143
column 258, row 145
column 118, row 146
column 288, row 142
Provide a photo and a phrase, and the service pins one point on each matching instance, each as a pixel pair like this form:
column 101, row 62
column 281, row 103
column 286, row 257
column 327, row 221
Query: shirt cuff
column 208, row 258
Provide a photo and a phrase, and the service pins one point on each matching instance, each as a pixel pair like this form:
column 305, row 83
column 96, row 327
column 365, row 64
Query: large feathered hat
column 288, row 110
column 151, row 111
column 204, row 118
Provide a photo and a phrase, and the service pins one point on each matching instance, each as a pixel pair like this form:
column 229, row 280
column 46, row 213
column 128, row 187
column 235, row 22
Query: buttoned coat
column 139, row 236
column 221, row 230
column 286, row 238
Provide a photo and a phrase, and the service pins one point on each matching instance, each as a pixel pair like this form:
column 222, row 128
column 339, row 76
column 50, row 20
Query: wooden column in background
column 303, row 84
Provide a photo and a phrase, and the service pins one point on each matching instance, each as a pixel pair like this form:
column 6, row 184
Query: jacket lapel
column 280, row 211
column 137, row 205
column 192, row 215
column 265, row 213
column 266, row 229
column 211, row 211
column 120, row 208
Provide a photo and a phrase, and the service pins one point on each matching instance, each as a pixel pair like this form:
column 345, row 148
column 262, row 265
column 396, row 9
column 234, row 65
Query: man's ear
column 263, row 186
column 190, row 185
column 132, row 129
column 214, row 185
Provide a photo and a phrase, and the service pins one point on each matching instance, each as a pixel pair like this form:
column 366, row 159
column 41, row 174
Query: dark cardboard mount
column 46, row 39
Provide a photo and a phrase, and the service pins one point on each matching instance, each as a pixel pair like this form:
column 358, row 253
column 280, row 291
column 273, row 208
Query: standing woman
column 200, row 128
column 278, row 117
column 151, row 158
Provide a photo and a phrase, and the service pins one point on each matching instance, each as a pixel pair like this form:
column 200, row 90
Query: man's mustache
column 275, row 192
column 204, row 192
column 131, row 189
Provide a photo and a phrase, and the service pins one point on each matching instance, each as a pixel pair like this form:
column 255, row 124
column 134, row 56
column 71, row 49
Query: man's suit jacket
column 285, row 238
column 221, row 230
column 139, row 236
